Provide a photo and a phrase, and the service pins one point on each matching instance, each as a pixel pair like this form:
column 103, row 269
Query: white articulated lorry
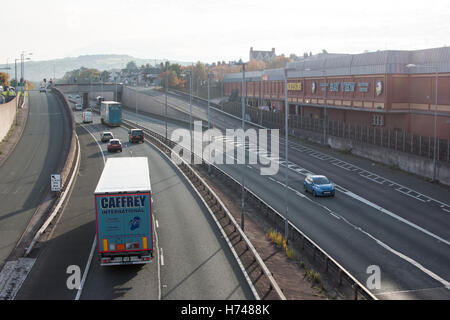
column 123, row 207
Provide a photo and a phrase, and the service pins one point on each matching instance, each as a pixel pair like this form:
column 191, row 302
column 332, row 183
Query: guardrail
column 212, row 202
column 330, row 264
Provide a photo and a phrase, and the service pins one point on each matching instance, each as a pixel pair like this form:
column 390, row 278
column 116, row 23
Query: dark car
column 106, row 136
column 114, row 145
column 318, row 186
column 135, row 135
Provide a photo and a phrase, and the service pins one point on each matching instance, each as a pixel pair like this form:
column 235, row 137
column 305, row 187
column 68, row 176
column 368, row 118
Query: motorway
column 379, row 216
column 192, row 260
column 25, row 176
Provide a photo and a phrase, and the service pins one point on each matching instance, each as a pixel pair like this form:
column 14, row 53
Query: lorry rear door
column 124, row 222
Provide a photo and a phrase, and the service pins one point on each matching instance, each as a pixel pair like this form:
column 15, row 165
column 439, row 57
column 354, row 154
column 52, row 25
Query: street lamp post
column 167, row 88
column 286, row 153
column 243, row 142
column 22, row 58
column 209, row 118
column 436, row 69
column 190, row 107
column 325, row 111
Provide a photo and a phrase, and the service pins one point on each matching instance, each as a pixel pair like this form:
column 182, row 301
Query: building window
column 378, row 120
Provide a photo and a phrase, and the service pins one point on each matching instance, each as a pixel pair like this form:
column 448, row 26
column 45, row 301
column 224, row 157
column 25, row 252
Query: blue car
column 318, row 186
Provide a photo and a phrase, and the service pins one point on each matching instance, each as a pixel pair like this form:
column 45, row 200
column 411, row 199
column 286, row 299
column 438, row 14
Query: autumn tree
column 173, row 80
column 255, row 65
column 278, row 62
column 4, row 79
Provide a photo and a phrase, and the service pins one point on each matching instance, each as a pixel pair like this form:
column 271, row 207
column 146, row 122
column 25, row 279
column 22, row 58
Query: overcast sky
column 212, row 30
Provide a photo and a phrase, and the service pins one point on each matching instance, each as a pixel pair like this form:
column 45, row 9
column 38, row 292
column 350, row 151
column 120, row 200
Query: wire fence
column 396, row 139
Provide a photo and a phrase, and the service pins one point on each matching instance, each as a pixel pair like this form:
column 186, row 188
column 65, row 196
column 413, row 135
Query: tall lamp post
column 325, row 111
column 436, row 69
column 190, row 107
column 23, row 58
column 243, row 142
column 210, row 74
column 286, row 152
column 167, row 88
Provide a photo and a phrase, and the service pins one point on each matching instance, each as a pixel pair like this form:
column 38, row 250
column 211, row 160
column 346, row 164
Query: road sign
column 55, row 182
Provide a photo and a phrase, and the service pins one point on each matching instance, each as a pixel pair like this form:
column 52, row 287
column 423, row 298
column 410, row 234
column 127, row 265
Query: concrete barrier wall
column 7, row 117
column 405, row 161
column 147, row 104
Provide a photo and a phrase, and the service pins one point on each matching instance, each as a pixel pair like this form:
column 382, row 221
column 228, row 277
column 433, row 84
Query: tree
column 4, row 79
column 173, row 79
column 255, row 65
column 105, row 75
column 29, row 85
column 131, row 66
column 278, row 62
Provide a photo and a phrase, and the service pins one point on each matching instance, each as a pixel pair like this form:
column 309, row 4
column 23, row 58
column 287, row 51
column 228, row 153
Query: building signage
column 363, row 86
column 295, row 86
column 334, row 86
column 379, row 87
column 348, row 86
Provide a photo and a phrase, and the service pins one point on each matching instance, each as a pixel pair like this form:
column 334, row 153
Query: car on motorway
column 318, row 185
column 78, row 107
column 114, row 145
column 42, row 89
column 106, row 136
column 135, row 135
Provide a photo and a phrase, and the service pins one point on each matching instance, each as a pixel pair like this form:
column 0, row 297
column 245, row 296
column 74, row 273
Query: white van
column 87, row 117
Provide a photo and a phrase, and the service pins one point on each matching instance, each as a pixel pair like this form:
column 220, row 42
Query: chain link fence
column 388, row 138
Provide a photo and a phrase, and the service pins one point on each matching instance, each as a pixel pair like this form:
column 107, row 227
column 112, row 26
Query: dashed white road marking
column 161, row 254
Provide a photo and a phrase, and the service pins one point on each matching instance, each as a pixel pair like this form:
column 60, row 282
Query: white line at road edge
column 88, row 264
column 379, row 242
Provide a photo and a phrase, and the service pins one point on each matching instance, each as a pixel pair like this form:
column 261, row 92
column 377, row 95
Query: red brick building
column 391, row 89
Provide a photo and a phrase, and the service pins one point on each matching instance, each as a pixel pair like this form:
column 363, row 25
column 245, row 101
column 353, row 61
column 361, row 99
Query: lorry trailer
column 123, row 207
column 111, row 113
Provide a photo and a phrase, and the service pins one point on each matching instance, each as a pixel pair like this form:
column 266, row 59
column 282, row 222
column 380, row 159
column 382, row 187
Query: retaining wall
column 7, row 117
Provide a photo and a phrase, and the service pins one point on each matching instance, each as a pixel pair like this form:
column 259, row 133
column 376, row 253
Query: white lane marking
column 157, row 252
column 364, row 173
column 408, row 259
column 162, row 256
column 88, row 264
column 383, row 210
column 157, row 224
column 86, row 269
column 393, row 215
column 351, row 194
column 99, row 146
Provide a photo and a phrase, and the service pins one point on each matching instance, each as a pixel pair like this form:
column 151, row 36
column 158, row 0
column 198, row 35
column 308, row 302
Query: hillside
column 37, row 70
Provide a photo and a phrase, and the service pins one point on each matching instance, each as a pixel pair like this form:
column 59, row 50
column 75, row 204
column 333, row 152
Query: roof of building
column 262, row 55
column 379, row 62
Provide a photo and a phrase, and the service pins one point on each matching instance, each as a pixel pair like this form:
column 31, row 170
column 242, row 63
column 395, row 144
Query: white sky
column 212, row 30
